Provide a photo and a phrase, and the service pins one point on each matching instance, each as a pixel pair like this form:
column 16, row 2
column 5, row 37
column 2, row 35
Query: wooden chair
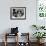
column 25, row 36
column 7, row 34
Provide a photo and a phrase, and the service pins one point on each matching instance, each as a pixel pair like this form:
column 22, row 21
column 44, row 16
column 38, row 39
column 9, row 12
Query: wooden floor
column 13, row 44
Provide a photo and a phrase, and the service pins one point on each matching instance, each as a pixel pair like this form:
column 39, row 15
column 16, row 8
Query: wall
column 24, row 25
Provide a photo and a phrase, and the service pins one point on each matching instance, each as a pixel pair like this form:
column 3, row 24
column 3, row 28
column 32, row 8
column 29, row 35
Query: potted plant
column 39, row 35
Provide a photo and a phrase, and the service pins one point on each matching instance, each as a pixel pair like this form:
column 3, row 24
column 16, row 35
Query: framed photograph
column 18, row 13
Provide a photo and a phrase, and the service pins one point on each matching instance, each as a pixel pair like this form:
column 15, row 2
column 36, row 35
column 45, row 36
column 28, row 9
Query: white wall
column 24, row 25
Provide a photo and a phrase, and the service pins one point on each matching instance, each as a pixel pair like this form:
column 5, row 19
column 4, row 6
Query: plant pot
column 40, row 41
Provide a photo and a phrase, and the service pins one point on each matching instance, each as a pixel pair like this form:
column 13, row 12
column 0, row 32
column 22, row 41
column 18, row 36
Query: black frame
column 17, row 18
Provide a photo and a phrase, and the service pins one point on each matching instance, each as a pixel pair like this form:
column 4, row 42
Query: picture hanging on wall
column 18, row 13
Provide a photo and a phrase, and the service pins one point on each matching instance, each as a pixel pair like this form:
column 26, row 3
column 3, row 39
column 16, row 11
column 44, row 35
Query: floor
column 13, row 44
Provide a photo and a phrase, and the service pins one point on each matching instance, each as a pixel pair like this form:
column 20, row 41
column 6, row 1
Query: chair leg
column 5, row 39
column 5, row 43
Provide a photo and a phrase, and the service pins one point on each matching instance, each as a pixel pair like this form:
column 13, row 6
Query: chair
column 14, row 32
column 7, row 35
column 25, row 37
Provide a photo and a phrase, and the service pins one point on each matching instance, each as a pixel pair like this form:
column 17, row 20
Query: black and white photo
column 17, row 13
